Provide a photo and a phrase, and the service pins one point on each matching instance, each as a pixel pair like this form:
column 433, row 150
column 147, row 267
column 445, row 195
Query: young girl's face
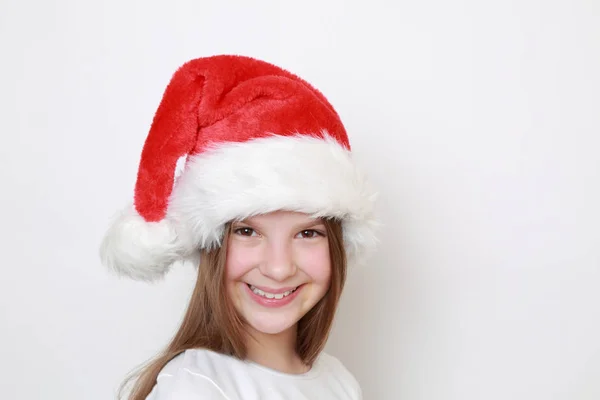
column 277, row 268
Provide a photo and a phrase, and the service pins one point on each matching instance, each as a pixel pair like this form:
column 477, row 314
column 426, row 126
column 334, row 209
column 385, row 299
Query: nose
column 278, row 261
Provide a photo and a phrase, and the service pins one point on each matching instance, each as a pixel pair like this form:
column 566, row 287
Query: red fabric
column 224, row 99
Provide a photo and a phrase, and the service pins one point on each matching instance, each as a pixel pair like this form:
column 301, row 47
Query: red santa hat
column 252, row 138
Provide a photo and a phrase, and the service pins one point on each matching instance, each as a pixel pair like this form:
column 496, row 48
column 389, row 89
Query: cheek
column 240, row 259
column 315, row 263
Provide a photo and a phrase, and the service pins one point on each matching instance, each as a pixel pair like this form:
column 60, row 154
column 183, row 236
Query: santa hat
column 252, row 138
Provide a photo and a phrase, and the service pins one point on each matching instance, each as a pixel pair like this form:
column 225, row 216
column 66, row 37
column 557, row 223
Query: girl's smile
column 272, row 297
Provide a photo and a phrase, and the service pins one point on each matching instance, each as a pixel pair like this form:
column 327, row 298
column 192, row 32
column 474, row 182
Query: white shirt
column 200, row 374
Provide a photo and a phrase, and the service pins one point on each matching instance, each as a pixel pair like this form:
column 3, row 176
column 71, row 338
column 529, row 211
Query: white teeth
column 277, row 296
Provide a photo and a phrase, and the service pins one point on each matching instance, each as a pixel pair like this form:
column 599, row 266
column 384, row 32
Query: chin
column 272, row 329
column 271, row 324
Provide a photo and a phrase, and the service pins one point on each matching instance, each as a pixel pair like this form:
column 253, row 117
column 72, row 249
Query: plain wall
column 479, row 122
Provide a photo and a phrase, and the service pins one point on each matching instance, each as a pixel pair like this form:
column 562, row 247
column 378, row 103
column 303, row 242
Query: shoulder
column 333, row 366
column 190, row 374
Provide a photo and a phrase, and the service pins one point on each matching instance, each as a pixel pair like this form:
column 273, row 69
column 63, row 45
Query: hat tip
column 138, row 249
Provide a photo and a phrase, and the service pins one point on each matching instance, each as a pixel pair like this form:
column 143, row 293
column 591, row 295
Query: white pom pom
column 139, row 249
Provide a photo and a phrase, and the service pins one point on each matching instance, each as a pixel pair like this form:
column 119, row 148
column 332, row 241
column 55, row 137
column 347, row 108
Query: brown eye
column 244, row 231
column 309, row 234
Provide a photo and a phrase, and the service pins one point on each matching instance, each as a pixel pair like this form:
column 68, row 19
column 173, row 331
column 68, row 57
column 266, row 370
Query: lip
column 272, row 303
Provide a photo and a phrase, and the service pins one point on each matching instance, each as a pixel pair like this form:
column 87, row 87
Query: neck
column 275, row 351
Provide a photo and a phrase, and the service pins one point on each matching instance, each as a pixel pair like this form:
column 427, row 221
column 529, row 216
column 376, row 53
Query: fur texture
column 232, row 181
column 139, row 249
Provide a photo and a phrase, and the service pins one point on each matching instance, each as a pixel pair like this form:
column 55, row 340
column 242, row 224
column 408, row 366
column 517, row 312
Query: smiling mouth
column 274, row 296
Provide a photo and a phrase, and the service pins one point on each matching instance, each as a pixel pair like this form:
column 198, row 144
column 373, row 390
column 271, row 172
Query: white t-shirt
column 205, row 375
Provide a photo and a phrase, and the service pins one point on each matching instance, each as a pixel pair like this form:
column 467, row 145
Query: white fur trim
column 237, row 180
column 139, row 249
column 300, row 173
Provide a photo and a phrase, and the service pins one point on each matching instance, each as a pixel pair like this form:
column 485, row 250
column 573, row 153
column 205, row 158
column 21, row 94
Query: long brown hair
column 212, row 323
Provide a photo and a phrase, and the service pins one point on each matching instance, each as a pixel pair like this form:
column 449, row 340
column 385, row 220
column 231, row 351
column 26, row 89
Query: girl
column 272, row 207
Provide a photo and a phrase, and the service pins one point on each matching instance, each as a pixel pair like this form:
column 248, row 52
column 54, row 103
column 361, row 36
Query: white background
column 478, row 120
